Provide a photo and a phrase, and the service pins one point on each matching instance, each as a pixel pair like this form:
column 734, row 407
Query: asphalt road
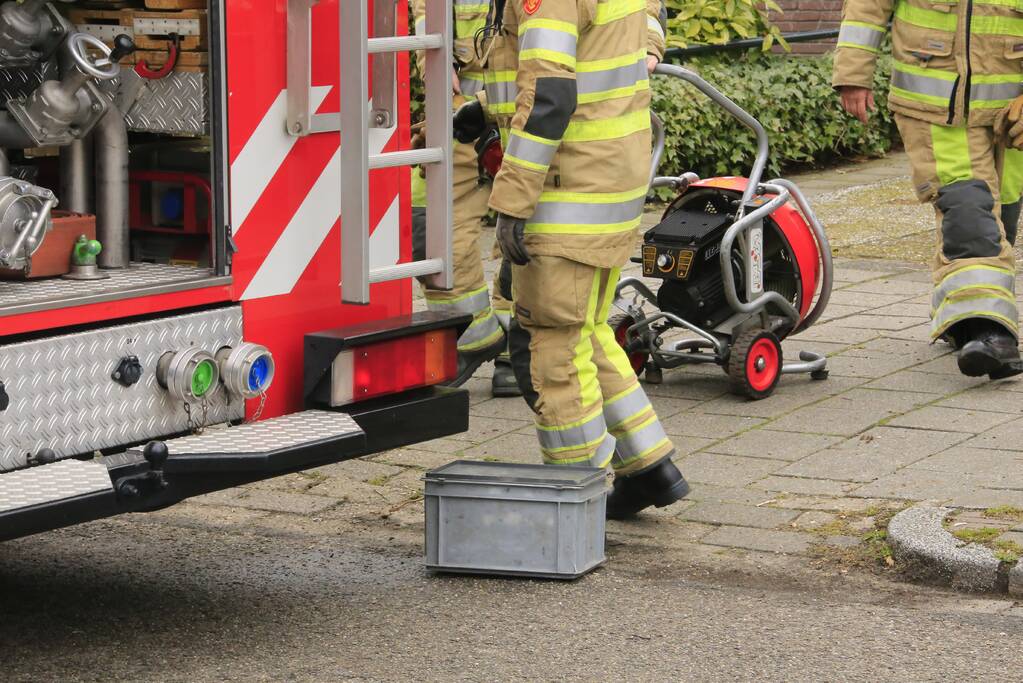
column 176, row 597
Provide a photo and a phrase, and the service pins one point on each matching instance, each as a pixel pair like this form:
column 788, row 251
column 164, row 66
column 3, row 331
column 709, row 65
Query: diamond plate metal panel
column 139, row 275
column 278, row 433
column 177, row 104
column 49, row 483
column 62, row 396
column 19, row 82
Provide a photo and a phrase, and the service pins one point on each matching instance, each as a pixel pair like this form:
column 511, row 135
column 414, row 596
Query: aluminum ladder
column 362, row 110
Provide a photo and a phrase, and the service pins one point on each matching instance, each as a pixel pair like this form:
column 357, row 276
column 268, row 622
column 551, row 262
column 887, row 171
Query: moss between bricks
column 1007, row 552
column 872, row 553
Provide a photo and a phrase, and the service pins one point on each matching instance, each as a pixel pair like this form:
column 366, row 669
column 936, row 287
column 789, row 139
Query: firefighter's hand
column 511, row 239
column 651, row 63
column 1008, row 123
column 857, row 101
column 469, row 122
column 456, row 85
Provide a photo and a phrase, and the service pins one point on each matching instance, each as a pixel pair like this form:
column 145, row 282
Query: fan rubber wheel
column 620, row 324
column 754, row 364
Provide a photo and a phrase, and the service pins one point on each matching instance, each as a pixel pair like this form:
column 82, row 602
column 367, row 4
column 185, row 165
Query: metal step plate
column 54, row 483
column 282, row 443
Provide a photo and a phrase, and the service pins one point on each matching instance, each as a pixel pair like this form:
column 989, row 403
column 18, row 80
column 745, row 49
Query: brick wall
column 809, row 15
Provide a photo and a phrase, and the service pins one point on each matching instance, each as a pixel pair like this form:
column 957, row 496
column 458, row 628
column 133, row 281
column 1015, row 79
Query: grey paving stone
column 985, row 397
column 707, row 425
column 443, row 445
column 766, row 443
column 950, row 419
column 486, row 428
column 878, row 322
column 812, row 519
column 684, row 445
column 793, row 392
column 918, row 333
column 1013, row 536
column 851, row 412
column 359, row 469
column 879, row 451
column 666, row 407
column 1000, row 469
column 835, row 333
column 687, row 385
column 944, row 365
column 848, row 364
column 843, row 541
column 849, row 274
column 1008, row 436
column 904, row 347
column 924, row 382
column 700, row 492
column 982, row 498
column 836, row 311
column 273, row 501
column 521, row 448
column 914, row 484
column 514, row 408
column 764, row 540
column 727, row 470
column 411, row 457
column 738, row 515
column 886, row 285
column 851, row 297
column 828, row 504
column 906, row 309
column 802, row 485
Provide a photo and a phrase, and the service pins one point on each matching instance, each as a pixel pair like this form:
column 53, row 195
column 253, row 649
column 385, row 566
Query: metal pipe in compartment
column 12, row 136
column 5, row 164
column 110, row 139
column 76, row 176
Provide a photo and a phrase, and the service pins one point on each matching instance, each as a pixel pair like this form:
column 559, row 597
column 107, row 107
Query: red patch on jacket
column 531, row 6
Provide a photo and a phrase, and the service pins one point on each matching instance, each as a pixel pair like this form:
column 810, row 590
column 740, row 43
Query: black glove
column 469, row 122
column 511, row 239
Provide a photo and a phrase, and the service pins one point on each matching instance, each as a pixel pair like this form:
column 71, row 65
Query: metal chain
column 259, row 410
column 193, row 426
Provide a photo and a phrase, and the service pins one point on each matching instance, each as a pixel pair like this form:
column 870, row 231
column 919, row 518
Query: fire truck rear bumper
column 72, row 491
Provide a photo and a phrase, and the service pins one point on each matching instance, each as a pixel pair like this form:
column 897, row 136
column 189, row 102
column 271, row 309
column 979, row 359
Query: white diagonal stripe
column 383, row 242
column 310, row 225
column 263, row 154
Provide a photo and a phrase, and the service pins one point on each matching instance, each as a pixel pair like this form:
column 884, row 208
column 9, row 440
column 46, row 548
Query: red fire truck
column 205, row 248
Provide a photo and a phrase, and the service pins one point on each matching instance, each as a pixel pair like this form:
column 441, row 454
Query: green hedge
column 791, row 96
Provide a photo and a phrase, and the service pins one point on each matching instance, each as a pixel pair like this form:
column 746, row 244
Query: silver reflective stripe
column 979, row 277
column 605, row 452
column 995, row 91
column 500, row 93
column 625, row 407
column 469, row 86
column 609, row 79
column 572, row 437
column 654, row 25
column 860, row 35
column 421, row 27
column 547, row 39
column 472, row 304
column 479, row 331
column 530, row 150
column 992, row 306
column 573, row 213
column 633, row 445
column 504, row 319
column 935, row 87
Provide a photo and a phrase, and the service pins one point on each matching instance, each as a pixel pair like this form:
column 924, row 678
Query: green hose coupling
column 85, row 251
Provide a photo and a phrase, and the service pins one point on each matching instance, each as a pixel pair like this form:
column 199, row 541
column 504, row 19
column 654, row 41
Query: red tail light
column 395, row 365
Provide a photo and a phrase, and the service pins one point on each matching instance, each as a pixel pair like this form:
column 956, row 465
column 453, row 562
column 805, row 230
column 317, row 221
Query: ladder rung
column 403, row 270
column 429, row 41
column 412, row 157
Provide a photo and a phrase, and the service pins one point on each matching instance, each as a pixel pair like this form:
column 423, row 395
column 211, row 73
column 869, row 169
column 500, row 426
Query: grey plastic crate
column 521, row 520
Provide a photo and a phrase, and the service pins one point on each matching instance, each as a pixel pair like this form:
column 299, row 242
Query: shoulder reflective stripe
column 1012, row 176
column 926, row 18
column 553, row 45
column 951, row 153
column 576, row 435
column 986, row 25
column 588, row 82
column 613, row 10
column 550, row 213
column 654, row 25
column 639, row 442
column 974, row 276
column 472, row 302
column 483, row 331
column 536, row 152
column 608, row 129
column 855, row 34
column 987, row 306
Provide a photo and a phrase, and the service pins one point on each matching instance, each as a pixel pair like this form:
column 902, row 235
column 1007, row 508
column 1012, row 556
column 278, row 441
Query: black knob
column 5, row 400
column 123, row 46
column 44, row 456
column 128, row 372
column 156, row 454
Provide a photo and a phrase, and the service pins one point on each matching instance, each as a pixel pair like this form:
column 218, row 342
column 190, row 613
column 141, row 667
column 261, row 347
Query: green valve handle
column 85, row 251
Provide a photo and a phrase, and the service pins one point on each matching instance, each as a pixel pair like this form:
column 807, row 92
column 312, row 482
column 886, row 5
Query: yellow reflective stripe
column 610, row 63
column 548, row 56
column 569, row 425
column 575, row 447
column 856, row 46
column 500, row 76
column 951, row 153
column 466, row 28
column 593, row 197
column 927, row 73
column 418, row 189
column 926, row 18
column 532, row 166
column 927, row 99
column 481, row 8
column 590, row 229
column 863, row 24
column 1012, row 176
column 996, row 78
column 552, row 24
column 996, row 291
column 456, row 299
column 987, row 25
column 589, row 387
column 608, row 129
column 502, row 107
column 519, row 133
column 603, row 95
column 606, row 336
column 613, row 10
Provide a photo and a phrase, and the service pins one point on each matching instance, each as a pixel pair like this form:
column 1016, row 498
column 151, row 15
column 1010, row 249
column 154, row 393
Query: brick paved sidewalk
column 818, row 464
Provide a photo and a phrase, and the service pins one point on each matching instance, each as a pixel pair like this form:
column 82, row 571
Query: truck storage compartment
column 113, row 117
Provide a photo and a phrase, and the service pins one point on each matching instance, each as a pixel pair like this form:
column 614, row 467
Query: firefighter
column 485, row 338
column 956, row 75
column 569, row 84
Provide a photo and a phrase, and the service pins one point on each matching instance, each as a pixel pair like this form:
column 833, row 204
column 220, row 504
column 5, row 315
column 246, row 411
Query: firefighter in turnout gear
column 485, row 339
column 568, row 82
column 955, row 91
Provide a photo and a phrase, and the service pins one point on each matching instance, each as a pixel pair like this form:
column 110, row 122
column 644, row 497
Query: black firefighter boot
column 470, row 361
column 659, row 485
column 504, row 384
column 989, row 349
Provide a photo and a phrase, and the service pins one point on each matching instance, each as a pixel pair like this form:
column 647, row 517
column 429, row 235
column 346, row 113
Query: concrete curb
column 919, row 540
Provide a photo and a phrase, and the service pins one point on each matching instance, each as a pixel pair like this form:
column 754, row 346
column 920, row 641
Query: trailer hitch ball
column 190, row 375
column 246, row 370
